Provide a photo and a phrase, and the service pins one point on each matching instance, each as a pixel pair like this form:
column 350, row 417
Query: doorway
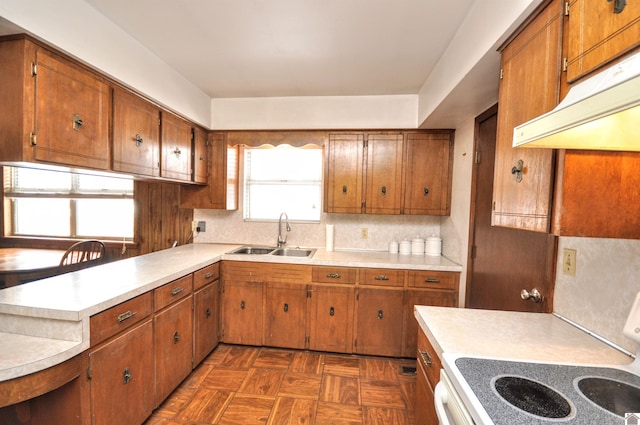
column 503, row 261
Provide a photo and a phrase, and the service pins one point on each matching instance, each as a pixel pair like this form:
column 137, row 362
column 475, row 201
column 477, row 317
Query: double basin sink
column 282, row 252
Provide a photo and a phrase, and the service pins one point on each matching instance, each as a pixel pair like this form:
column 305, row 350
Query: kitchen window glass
column 283, row 179
column 45, row 203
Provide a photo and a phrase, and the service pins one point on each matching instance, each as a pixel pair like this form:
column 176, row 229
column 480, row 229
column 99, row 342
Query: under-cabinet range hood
column 602, row 112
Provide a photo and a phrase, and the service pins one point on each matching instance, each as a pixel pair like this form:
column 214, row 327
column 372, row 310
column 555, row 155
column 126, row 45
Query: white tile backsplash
column 229, row 227
column 607, row 280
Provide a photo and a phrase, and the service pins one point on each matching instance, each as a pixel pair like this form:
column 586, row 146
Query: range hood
column 602, row 112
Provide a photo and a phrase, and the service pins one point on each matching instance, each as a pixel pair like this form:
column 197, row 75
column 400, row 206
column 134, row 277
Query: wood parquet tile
column 237, row 385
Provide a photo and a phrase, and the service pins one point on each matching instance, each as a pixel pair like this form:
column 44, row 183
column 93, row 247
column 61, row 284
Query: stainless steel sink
column 252, row 250
column 265, row 250
column 293, row 252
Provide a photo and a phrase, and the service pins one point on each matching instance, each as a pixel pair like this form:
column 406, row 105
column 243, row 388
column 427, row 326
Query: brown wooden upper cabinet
column 529, row 87
column 221, row 191
column 176, row 137
column 389, row 173
column 136, row 134
column 428, row 172
column 565, row 192
column 200, row 155
column 598, row 33
column 53, row 110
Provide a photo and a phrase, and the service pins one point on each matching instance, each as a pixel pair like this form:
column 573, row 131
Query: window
column 283, row 179
column 66, row 205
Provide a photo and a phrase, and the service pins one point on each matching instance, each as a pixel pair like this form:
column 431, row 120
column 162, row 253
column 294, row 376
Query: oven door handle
column 440, row 397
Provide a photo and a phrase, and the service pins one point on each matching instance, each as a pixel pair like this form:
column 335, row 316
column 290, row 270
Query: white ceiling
column 260, row 48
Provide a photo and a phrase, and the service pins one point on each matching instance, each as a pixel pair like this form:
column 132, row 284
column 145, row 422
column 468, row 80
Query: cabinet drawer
column 334, row 275
column 428, row 359
column 382, row 277
column 108, row 323
column 206, row 275
column 289, row 273
column 173, row 291
column 433, row 279
column 243, row 271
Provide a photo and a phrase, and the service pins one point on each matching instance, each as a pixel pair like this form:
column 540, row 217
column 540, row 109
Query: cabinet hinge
column 566, row 8
column 222, row 288
column 355, row 343
column 193, row 135
column 32, row 139
column 308, row 293
column 565, row 64
column 473, row 251
column 493, row 206
column 363, row 205
column 501, row 73
column 357, row 297
column 34, row 69
column 89, row 374
column 307, row 339
column 477, row 157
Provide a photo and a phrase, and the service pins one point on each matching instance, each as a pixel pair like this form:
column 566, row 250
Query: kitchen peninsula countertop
column 46, row 322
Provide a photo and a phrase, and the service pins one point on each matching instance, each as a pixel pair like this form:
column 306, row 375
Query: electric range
column 511, row 392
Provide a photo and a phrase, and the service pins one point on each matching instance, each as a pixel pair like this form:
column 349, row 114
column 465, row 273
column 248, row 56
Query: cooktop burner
column 532, row 397
column 536, row 393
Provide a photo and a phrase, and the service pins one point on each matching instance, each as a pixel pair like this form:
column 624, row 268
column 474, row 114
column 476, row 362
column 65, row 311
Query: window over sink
column 56, row 204
column 282, row 179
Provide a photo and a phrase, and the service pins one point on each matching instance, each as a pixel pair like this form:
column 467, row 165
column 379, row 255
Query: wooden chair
column 83, row 254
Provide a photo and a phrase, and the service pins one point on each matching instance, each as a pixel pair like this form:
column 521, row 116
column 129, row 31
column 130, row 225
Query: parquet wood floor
column 239, row 385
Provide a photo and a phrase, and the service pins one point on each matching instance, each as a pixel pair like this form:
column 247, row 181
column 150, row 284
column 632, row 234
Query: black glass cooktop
column 535, row 393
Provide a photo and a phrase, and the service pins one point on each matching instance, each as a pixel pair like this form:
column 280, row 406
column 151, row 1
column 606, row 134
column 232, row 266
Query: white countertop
column 46, row 322
column 535, row 337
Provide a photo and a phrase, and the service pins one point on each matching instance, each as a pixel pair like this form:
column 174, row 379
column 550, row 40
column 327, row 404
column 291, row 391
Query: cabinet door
column 344, row 173
column 72, row 114
column 597, row 34
column 523, row 178
column 429, row 172
column 384, row 173
column 122, row 378
column 285, row 315
column 242, row 313
column 136, row 134
column 421, row 297
column 331, row 319
column 175, row 138
column 173, row 347
column 379, row 321
column 206, row 311
column 425, row 408
column 221, row 191
column 200, row 155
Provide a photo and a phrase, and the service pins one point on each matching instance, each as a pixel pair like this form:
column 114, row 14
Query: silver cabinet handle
column 426, row 357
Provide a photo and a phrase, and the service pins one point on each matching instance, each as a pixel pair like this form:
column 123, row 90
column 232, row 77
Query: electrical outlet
column 569, row 261
column 364, row 233
column 202, row 226
column 194, row 226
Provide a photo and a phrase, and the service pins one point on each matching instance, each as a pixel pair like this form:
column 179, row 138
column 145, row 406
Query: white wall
column 76, row 28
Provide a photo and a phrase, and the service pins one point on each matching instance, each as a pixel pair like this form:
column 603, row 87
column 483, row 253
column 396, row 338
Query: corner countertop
column 46, row 322
column 533, row 337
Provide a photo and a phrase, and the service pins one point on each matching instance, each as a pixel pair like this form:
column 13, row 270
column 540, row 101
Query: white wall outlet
column 364, row 233
column 569, row 257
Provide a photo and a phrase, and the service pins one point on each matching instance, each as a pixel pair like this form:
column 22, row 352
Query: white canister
column 417, row 246
column 405, row 247
column 393, row 247
column 433, row 246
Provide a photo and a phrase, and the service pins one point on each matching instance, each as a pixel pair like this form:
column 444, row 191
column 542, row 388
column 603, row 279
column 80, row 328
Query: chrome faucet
column 283, row 240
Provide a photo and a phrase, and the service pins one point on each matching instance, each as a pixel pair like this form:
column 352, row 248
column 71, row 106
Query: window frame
column 73, row 195
column 243, row 180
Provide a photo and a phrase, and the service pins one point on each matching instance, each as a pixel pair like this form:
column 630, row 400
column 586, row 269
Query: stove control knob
column 534, row 295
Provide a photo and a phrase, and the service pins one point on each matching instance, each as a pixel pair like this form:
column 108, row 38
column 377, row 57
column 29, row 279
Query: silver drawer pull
column 432, row 280
column 176, row 291
column 381, row 277
column 426, row 358
column 126, row 315
column 208, row 275
column 333, row 275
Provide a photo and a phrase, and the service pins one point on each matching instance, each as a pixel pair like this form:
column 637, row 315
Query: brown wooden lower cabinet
column 285, row 315
column 242, row 321
column 331, row 318
column 415, row 297
column 121, row 378
column 428, row 376
column 206, row 321
column 379, row 321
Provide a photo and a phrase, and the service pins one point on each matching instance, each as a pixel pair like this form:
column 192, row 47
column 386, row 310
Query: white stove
column 503, row 391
